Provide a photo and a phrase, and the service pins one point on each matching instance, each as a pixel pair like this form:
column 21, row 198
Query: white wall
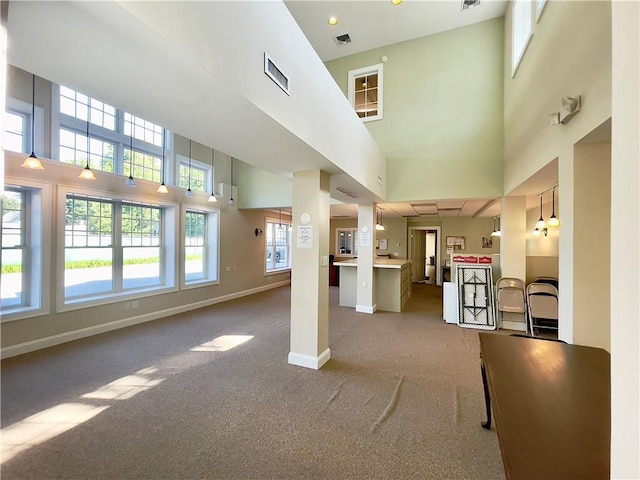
column 625, row 243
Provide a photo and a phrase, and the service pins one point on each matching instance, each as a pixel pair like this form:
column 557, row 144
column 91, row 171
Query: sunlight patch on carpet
column 222, row 343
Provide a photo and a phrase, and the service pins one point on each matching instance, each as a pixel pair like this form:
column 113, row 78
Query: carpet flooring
column 208, row 394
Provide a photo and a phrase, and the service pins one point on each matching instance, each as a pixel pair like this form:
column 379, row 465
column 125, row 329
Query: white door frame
column 438, row 243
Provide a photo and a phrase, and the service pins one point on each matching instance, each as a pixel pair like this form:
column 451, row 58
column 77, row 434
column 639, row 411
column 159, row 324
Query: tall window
column 521, row 29
column 277, row 245
column 200, row 175
column 365, row 92
column 200, row 247
column 14, row 248
column 111, row 131
column 24, row 230
column 14, row 137
column 112, row 247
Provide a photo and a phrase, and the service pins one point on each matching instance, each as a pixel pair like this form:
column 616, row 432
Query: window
column 200, row 247
column 113, row 247
column 80, row 106
column 113, row 134
column 197, row 177
column 73, row 149
column 521, row 29
column 23, row 257
column 278, row 245
column 14, row 137
column 143, row 129
column 145, row 166
column 365, row 92
column 347, row 242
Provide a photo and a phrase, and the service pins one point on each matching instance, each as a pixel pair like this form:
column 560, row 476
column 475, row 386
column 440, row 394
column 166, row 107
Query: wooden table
column 552, row 406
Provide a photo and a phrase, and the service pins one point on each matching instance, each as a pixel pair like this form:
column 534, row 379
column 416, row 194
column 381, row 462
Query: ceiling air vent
column 275, row 74
column 342, row 39
column 469, row 3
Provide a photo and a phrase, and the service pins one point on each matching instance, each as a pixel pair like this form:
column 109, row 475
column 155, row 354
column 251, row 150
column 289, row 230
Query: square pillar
column 310, row 270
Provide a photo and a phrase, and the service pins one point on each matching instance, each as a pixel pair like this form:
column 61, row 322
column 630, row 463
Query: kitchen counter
column 392, row 283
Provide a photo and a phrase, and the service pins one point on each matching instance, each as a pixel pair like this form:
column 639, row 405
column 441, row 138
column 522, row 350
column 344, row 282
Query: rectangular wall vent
column 345, row 192
column 275, row 74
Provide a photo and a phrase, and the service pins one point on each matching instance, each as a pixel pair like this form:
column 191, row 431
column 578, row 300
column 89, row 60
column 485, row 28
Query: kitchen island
column 392, row 283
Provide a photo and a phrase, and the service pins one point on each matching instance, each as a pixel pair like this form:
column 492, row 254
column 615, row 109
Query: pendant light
column 540, row 224
column 212, row 197
column 87, row 173
column 379, row 225
column 131, row 182
column 189, row 193
column 231, row 202
column 32, row 161
column 553, row 220
column 163, row 188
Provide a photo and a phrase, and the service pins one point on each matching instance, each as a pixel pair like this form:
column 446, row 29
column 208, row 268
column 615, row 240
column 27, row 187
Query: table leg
column 487, row 398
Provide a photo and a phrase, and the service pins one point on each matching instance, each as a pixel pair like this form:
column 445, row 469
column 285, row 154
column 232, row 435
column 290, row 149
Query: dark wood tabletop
column 552, row 407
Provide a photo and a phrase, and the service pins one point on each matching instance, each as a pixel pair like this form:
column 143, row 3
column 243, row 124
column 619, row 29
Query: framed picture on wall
column 487, row 242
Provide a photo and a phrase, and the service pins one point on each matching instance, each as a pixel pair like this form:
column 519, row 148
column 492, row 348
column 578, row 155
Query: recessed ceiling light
column 396, row 2
column 333, row 21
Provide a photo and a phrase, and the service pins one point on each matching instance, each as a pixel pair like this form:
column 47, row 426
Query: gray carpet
column 400, row 398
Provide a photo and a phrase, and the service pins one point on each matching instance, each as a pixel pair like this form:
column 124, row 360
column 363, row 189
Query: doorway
column 424, row 244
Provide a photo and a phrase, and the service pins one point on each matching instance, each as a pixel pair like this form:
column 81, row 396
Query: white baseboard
column 309, row 361
column 365, row 309
column 53, row 340
column 519, row 326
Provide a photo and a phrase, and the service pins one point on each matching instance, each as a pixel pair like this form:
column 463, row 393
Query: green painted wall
column 442, row 132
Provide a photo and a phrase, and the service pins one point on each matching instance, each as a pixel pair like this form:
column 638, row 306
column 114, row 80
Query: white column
column 366, row 251
column 566, row 241
column 625, row 241
column 513, row 255
column 592, row 245
column 310, row 273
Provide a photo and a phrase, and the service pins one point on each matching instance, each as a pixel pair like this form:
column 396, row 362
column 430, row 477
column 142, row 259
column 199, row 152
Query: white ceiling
column 371, row 24
column 48, row 46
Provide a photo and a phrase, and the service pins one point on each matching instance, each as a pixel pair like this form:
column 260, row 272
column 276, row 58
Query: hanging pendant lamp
column 32, row 161
column 553, row 220
column 541, row 224
column 131, row 182
column 189, row 193
column 87, row 173
column 212, row 197
column 163, row 188
column 231, row 202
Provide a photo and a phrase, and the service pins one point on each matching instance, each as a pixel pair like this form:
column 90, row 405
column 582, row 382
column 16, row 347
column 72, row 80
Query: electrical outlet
column 228, row 268
column 135, row 304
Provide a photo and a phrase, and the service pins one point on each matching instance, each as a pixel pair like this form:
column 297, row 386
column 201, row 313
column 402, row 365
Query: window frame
column 275, row 222
column 121, row 141
column 520, row 7
column 182, row 160
column 354, row 242
column 38, row 262
column 168, row 252
column 23, row 109
column 353, row 75
column 212, row 246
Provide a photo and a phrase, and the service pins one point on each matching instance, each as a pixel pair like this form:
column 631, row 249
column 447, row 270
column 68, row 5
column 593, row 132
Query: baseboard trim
column 33, row 345
column 309, row 361
column 519, row 326
column 365, row 309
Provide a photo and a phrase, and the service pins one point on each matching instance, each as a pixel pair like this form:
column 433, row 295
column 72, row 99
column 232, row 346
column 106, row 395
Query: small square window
column 365, row 92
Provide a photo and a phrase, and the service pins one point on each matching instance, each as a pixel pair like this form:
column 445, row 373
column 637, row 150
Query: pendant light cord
column 189, row 165
column 33, row 114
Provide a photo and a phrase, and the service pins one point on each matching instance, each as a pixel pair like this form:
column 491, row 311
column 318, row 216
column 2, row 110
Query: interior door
column 418, row 255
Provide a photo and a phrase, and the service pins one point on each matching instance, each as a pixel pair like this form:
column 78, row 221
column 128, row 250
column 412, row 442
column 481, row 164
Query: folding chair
column 510, row 296
column 542, row 303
